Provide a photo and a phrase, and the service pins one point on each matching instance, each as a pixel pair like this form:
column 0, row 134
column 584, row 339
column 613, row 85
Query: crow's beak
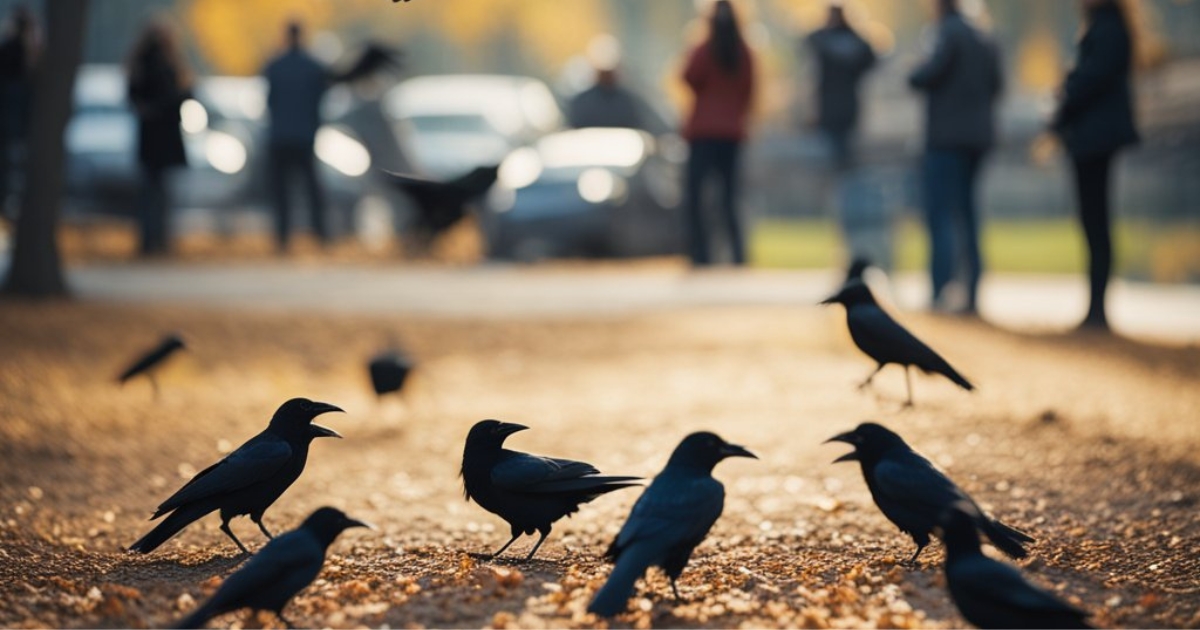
column 852, row 456
column 733, row 450
column 353, row 522
column 508, row 428
column 322, row 408
column 320, row 431
column 833, row 299
column 850, row 438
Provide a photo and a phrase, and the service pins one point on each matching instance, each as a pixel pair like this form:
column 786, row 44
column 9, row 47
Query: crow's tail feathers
column 953, row 375
column 613, row 597
column 170, row 526
column 1007, row 539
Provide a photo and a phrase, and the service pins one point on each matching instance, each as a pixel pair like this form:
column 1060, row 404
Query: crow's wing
column 912, row 480
column 885, row 340
column 522, row 472
column 673, row 510
column 251, row 463
column 988, row 580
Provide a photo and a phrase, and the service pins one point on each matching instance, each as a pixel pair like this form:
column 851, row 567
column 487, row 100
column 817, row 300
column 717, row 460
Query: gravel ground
column 1086, row 442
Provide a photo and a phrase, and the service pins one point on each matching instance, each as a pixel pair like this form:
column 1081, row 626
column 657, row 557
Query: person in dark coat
column 18, row 52
column 295, row 85
column 1095, row 121
column 843, row 58
column 962, row 80
column 606, row 104
column 720, row 74
column 159, row 82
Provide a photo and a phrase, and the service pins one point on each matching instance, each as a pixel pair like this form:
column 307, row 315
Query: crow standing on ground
column 278, row 571
column 990, row 594
column 528, row 491
column 149, row 362
column 389, row 370
column 885, row 341
column 442, row 204
column 912, row 493
column 249, row 479
column 672, row 516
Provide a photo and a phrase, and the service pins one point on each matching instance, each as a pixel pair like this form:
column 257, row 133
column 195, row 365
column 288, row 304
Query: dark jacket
column 722, row 106
column 962, row 80
column 843, row 57
column 605, row 106
column 1096, row 113
column 156, row 96
column 295, row 85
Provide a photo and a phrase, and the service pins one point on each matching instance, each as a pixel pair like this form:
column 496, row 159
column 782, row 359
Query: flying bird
column 280, row 570
column 884, row 340
column 669, row 520
column 248, row 480
column 912, row 493
column 991, row 594
column 441, row 204
column 531, row 492
column 149, row 362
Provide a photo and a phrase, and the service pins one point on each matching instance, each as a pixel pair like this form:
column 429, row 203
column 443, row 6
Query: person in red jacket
column 720, row 73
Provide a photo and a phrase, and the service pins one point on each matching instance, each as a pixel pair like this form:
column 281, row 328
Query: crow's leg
column 512, row 540
column 908, row 383
column 544, row 533
column 913, row 560
column 258, row 521
column 153, row 385
column 229, row 533
column 675, row 590
column 870, row 377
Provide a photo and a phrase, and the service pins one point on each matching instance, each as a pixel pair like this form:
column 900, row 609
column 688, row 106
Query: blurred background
column 485, row 82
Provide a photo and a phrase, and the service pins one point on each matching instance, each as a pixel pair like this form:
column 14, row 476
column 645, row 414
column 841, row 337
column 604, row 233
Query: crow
column 389, row 370
column 991, row 594
column 150, row 361
column 279, row 571
column 857, row 268
column 442, row 204
column 529, row 491
column 885, row 341
column 671, row 517
column 248, row 480
column 912, row 493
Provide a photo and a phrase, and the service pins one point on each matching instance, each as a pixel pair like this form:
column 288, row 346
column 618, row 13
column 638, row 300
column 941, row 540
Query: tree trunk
column 36, row 266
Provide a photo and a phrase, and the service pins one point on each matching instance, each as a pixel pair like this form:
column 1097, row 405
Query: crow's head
column 294, row 418
column 326, row 523
column 957, row 526
column 870, row 442
column 174, row 341
column 492, row 433
column 851, row 293
column 704, row 450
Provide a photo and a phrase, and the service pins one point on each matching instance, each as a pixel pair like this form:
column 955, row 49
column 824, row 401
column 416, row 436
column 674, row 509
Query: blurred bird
column 912, row 493
column 885, row 341
column 279, row 571
column 248, row 480
column 671, row 517
column 991, row 594
column 389, row 370
column 373, row 58
column 529, row 491
column 150, row 361
column 442, row 204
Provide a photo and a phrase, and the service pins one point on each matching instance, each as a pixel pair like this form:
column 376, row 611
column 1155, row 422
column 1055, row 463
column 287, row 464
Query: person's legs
column 941, row 174
column 277, row 166
column 699, row 161
column 306, row 162
column 151, row 210
column 1091, row 185
column 726, row 162
column 971, row 162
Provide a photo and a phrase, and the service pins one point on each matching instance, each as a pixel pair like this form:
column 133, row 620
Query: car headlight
column 520, row 169
column 224, row 152
column 345, row 154
column 598, row 185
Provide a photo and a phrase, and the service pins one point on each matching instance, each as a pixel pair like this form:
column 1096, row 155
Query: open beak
column 353, row 522
column 322, row 408
column 508, row 428
column 849, row 438
column 320, row 431
column 733, row 450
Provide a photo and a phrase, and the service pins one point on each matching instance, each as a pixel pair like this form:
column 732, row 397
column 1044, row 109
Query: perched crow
column 442, row 204
column 249, row 479
column 528, row 491
column 885, row 341
column 991, row 594
column 389, row 370
column 913, row 493
column 278, row 571
column 671, row 517
column 149, row 362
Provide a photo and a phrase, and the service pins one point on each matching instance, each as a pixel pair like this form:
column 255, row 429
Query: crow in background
column 442, row 204
column 529, row 491
column 248, row 480
column 912, row 492
column 991, row 594
column 858, row 266
column 389, row 370
column 149, row 362
column 671, row 517
column 885, row 341
column 279, row 571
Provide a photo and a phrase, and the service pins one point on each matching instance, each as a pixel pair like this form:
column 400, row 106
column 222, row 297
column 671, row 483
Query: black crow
column 151, row 360
column 389, row 370
column 442, row 204
column 671, row 517
column 249, row 479
column 912, row 492
column 991, row 594
column 885, row 341
column 279, row 571
column 529, row 491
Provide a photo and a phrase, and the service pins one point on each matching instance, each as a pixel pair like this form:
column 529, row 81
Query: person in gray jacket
column 962, row 80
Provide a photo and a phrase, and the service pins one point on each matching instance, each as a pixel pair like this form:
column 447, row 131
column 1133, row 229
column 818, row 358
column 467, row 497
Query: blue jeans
column 950, row 212
column 720, row 158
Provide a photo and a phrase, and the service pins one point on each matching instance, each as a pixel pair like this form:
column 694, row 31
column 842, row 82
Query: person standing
column 962, row 80
column 720, row 74
column 18, row 52
column 159, row 82
column 605, row 104
column 295, row 85
column 1095, row 120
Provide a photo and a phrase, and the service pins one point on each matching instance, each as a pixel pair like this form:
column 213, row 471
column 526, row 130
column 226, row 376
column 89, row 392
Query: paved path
column 1026, row 302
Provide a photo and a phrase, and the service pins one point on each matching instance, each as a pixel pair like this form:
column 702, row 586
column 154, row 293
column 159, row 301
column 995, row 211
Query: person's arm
column 931, row 73
column 696, row 70
column 997, row 70
column 1104, row 64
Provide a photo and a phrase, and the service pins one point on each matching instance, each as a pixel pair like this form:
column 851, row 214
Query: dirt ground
column 1086, row 442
